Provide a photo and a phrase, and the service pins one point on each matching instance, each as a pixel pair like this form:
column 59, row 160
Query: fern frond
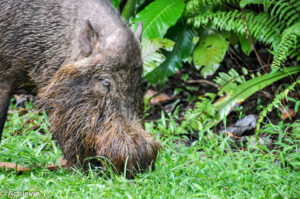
column 261, row 26
column 197, row 6
column 213, row 2
column 285, row 10
column 295, row 53
column 288, row 42
column 274, row 104
column 228, row 81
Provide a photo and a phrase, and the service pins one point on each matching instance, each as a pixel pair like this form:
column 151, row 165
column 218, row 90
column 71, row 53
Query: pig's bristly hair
column 89, row 125
column 85, row 64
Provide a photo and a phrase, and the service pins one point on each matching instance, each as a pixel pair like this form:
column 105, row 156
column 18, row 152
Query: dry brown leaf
column 231, row 134
column 159, row 99
column 287, row 113
column 8, row 166
column 20, row 168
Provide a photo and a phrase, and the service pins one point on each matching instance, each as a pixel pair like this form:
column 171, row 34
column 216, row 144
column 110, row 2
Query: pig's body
column 38, row 37
column 85, row 65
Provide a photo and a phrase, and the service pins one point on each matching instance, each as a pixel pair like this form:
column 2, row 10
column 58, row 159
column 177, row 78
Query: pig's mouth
column 128, row 148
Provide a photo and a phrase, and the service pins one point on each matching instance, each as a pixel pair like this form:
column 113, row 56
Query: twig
column 232, row 52
column 202, row 81
column 259, row 58
column 266, row 94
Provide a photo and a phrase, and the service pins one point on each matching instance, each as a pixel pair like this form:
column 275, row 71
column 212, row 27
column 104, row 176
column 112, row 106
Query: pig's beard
column 87, row 127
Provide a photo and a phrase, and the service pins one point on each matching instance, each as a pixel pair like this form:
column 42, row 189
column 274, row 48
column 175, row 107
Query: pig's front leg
column 5, row 95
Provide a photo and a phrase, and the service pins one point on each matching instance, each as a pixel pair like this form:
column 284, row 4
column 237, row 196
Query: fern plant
column 278, row 25
column 287, row 45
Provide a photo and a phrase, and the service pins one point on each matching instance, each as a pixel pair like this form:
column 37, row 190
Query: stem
column 260, row 60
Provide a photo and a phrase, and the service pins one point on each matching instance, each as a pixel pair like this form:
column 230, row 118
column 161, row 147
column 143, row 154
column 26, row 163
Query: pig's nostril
column 133, row 148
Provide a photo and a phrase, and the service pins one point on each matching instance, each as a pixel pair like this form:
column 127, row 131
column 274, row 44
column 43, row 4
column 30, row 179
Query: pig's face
column 95, row 104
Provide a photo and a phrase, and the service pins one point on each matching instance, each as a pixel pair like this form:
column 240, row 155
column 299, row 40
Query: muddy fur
column 85, row 65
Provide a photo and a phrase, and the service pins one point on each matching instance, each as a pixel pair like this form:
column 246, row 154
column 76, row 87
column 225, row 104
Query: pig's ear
column 139, row 31
column 88, row 36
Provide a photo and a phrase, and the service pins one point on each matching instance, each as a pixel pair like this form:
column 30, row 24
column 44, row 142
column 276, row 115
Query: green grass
column 207, row 169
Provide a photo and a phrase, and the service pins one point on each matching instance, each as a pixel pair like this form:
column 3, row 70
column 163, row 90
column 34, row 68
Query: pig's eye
column 105, row 83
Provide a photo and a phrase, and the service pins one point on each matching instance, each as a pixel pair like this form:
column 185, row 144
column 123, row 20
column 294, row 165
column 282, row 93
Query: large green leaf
column 243, row 91
column 183, row 36
column 158, row 16
column 209, row 53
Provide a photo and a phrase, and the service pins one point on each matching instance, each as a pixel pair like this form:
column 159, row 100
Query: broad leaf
column 158, row 16
column 183, row 36
column 243, row 91
column 209, row 53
